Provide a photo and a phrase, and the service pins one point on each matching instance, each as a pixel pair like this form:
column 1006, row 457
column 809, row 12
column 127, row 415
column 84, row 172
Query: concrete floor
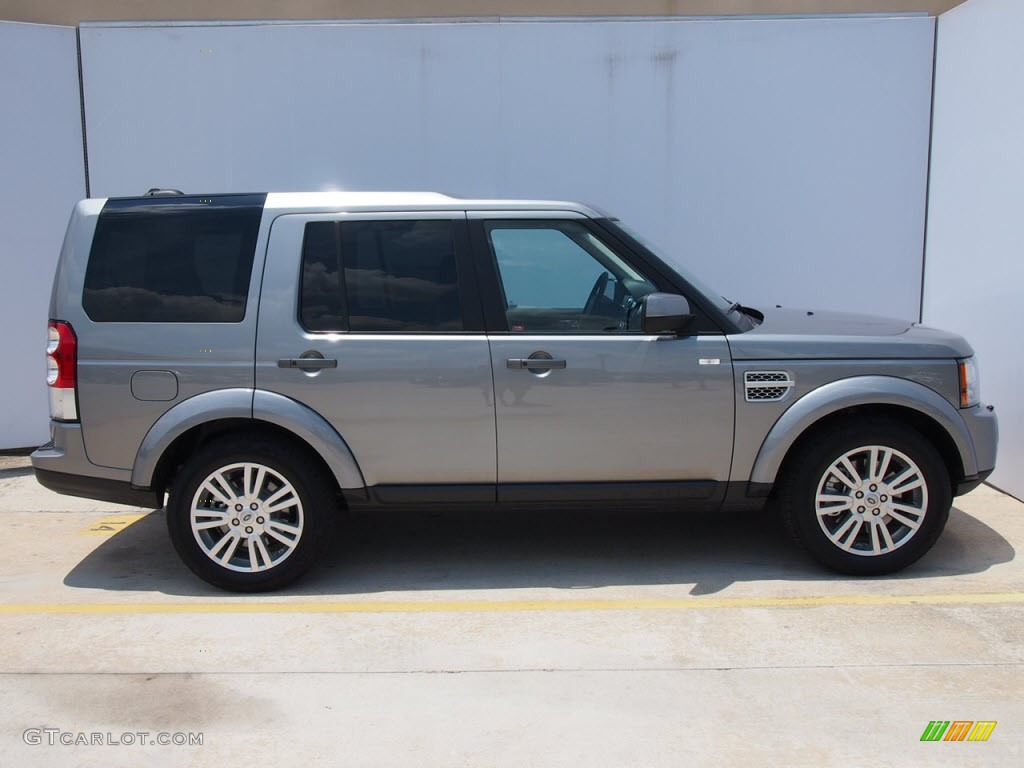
column 474, row 639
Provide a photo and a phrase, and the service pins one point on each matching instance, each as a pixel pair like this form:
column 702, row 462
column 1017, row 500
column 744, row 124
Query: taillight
column 61, row 371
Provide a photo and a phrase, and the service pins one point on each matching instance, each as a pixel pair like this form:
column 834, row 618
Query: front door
column 405, row 378
column 587, row 405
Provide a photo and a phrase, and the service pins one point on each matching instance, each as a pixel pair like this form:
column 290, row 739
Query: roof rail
column 158, row 192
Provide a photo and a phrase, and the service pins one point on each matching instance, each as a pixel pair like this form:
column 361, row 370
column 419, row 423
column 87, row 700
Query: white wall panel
column 41, row 177
column 784, row 159
column 974, row 279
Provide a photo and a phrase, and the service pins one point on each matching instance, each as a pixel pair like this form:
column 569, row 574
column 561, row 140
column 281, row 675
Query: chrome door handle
column 306, row 363
column 534, row 363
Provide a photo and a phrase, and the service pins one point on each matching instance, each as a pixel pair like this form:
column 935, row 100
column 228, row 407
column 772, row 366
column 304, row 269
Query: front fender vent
column 766, row 386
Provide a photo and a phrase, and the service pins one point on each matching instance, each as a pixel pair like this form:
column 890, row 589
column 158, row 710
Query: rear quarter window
column 172, row 260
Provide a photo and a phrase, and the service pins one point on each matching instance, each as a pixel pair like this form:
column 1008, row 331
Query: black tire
column 292, row 531
column 834, row 537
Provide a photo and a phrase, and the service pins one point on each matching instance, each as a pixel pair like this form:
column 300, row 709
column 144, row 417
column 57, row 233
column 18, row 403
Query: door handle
column 534, row 363
column 306, row 363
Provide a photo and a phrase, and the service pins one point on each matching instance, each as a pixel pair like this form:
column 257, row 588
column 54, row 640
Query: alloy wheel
column 871, row 500
column 246, row 517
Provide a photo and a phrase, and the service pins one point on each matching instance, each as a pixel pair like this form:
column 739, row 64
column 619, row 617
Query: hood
column 822, row 334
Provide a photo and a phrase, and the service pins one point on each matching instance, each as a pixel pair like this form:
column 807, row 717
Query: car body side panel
column 258, row 407
column 314, row 430
column 754, row 420
column 847, row 393
column 74, row 256
column 197, row 357
column 621, row 407
column 415, row 408
column 234, row 403
column 626, row 408
column 115, row 421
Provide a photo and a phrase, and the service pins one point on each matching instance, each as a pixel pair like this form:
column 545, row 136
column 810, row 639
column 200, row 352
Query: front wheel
column 250, row 516
column 868, row 498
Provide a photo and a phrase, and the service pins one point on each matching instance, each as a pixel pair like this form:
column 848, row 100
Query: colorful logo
column 958, row 730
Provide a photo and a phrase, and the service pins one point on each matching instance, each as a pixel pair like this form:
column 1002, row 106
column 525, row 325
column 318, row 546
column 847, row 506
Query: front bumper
column 968, row 484
column 983, row 426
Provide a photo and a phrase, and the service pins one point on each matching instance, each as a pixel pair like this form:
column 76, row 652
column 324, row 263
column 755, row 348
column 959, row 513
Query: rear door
column 386, row 303
column 587, row 405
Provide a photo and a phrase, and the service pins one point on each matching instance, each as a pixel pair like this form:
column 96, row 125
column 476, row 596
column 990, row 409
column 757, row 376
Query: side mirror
column 664, row 313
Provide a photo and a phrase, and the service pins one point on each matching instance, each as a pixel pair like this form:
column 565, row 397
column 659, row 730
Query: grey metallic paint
column 848, row 393
column 627, row 407
column 314, row 430
column 789, row 334
column 231, row 403
column 66, row 453
column 402, row 410
column 413, row 408
column 204, row 357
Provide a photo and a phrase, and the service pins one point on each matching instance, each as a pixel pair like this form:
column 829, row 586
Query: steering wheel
column 596, row 293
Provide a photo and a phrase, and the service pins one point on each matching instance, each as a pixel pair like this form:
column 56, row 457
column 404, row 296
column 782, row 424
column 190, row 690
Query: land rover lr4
column 267, row 360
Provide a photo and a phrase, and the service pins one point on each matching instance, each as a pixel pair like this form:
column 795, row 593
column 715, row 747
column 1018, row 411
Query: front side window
column 556, row 276
column 373, row 276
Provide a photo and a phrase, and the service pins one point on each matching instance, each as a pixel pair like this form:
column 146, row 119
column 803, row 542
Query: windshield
column 709, row 293
column 727, row 306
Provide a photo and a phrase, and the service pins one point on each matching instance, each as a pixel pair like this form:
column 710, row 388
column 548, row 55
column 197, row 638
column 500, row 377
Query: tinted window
column 172, row 260
column 379, row 276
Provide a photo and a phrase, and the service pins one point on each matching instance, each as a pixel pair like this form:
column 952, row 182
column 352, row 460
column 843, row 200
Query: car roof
column 410, row 201
column 330, row 201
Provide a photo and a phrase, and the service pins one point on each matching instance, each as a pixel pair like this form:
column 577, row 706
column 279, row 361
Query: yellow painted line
column 498, row 606
column 108, row 526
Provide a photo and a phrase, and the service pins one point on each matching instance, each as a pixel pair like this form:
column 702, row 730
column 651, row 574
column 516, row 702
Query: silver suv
column 268, row 360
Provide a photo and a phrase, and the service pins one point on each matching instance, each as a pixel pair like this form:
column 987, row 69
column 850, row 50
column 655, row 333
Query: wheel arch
column 190, row 424
column 862, row 397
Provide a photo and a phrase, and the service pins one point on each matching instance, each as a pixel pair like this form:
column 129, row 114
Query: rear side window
column 366, row 276
column 172, row 260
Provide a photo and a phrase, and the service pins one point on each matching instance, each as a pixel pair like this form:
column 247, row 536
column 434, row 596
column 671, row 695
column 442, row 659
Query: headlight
column 969, row 387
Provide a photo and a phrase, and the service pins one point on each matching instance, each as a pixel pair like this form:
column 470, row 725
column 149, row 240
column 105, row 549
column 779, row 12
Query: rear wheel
column 250, row 516
column 867, row 498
